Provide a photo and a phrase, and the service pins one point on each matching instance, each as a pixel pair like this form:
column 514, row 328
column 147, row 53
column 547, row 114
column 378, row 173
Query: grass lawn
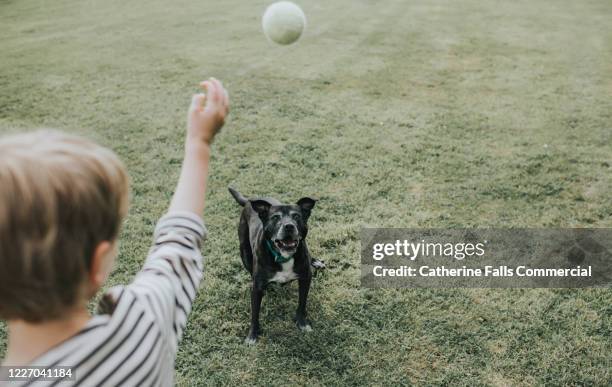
column 395, row 114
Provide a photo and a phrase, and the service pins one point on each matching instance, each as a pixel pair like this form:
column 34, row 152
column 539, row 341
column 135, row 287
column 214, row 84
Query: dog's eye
column 275, row 217
column 296, row 216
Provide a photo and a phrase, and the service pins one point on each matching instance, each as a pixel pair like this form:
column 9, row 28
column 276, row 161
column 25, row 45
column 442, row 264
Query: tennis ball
column 283, row 22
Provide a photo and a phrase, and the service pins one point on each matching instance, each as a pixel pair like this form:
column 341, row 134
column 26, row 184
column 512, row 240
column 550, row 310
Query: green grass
column 399, row 114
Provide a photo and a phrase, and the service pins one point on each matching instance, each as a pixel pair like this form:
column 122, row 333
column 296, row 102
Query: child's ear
column 306, row 204
column 102, row 263
column 262, row 208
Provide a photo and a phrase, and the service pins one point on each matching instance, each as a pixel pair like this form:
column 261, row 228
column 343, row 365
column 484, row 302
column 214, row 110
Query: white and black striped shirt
column 136, row 344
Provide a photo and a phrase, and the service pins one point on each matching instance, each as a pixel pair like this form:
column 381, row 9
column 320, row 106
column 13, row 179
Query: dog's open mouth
column 286, row 244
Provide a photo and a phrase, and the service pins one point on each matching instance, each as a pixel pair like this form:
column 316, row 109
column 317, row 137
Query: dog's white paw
column 306, row 328
column 317, row 264
column 250, row 340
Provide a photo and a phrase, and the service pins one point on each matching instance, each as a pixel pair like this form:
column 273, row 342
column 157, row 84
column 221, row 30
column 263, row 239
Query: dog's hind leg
column 246, row 253
column 247, row 256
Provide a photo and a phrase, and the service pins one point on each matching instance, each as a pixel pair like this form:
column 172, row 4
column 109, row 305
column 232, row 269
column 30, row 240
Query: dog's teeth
column 286, row 244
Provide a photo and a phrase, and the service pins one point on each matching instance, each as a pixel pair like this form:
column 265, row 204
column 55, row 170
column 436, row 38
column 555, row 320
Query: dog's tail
column 238, row 196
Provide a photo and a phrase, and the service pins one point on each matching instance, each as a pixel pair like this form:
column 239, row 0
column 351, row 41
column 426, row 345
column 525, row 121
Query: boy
column 62, row 200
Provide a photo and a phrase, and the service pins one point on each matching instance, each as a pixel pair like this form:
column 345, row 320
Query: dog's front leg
column 257, row 293
column 300, row 315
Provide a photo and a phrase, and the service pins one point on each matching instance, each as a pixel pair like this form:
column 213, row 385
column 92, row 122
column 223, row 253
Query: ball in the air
column 283, row 22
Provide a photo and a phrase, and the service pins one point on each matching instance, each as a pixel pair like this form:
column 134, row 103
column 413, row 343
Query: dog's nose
column 289, row 227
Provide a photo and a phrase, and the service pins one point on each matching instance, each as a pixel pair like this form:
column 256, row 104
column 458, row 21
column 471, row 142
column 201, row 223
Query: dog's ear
column 306, row 204
column 262, row 208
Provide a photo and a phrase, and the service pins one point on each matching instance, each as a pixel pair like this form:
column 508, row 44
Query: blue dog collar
column 278, row 257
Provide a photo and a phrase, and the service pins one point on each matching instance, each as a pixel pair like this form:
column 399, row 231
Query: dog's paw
column 250, row 340
column 303, row 324
column 305, row 328
column 317, row 264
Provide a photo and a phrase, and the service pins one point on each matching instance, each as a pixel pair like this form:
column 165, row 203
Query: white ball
column 283, row 22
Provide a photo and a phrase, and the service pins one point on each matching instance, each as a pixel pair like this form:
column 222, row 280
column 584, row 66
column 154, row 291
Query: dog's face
column 285, row 225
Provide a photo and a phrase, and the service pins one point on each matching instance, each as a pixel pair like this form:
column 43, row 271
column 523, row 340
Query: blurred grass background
column 395, row 114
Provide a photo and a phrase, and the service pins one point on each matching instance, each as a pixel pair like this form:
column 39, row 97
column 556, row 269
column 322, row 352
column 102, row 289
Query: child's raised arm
column 159, row 300
column 206, row 116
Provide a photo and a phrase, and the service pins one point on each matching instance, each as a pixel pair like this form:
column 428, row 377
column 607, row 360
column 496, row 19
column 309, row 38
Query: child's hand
column 207, row 112
column 206, row 116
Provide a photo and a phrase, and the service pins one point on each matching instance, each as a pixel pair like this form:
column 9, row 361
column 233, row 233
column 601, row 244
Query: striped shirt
column 136, row 344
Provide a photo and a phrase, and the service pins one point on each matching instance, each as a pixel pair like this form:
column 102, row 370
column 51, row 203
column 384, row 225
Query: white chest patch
column 286, row 274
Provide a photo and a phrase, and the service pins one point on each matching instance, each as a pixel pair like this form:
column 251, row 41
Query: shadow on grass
column 317, row 354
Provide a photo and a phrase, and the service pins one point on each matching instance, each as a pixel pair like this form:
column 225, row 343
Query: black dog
column 273, row 249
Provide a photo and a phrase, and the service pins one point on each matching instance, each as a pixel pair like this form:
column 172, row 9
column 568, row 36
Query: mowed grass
column 395, row 114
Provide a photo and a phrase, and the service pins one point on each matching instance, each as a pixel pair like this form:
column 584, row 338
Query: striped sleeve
column 169, row 281
column 134, row 339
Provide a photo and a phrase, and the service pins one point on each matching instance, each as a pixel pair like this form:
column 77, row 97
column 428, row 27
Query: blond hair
column 60, row 196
